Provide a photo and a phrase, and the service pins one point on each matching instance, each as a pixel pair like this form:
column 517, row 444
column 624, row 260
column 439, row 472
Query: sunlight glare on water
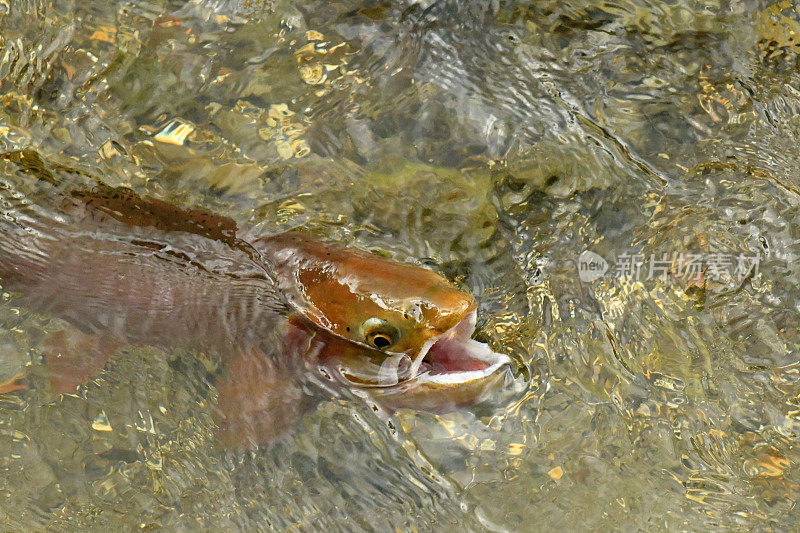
column 494, row 142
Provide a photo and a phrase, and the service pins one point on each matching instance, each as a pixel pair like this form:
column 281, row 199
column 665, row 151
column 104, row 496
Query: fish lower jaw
column 460, row 377
column 454, row 361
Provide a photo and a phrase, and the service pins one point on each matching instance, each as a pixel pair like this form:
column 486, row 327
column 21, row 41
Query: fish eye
column 378, row 333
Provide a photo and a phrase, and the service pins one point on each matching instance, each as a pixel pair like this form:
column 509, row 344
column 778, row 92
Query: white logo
column 591, row 266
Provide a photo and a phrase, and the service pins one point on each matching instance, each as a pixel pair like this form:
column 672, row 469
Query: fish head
column 399, row 330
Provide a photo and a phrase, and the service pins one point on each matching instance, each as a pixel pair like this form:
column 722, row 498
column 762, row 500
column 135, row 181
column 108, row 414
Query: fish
column 124, row 269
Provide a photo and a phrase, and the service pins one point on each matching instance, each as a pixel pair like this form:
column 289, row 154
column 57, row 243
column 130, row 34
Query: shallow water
column 495, row 142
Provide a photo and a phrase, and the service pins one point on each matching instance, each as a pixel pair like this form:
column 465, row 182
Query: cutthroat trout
column 125, row 269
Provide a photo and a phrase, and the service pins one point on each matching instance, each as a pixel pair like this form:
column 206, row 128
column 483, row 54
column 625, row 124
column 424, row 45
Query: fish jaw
column 452, row 370
column 452, row 357
column 441, row 393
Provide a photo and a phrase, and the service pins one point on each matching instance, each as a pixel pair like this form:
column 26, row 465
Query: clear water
column 495, row 141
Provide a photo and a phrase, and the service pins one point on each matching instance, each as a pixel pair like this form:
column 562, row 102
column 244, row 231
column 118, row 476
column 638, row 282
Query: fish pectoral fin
column 17, row 383
column 259, row 403
column 72, row 357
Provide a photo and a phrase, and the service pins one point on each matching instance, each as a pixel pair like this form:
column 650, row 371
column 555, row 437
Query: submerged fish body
column 139, row 270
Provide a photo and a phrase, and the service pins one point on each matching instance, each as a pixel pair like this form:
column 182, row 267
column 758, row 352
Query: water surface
column 495, row 142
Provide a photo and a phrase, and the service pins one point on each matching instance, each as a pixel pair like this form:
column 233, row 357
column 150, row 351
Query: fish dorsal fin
column 125, row 205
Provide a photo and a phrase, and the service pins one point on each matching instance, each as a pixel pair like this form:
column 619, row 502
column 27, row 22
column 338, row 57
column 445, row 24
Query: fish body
column 133, row 270
column 117, row 265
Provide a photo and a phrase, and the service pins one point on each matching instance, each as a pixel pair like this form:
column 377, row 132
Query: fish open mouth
column 452, row 358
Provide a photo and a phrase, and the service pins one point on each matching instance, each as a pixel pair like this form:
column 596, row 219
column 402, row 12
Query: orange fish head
column 400, row 330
